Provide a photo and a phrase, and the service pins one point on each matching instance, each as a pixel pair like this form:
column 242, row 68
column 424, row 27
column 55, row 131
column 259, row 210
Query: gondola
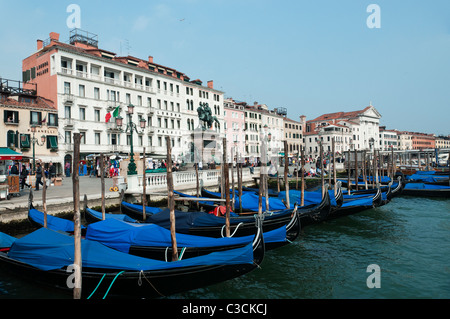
column 206, row 205
column 396, row 189
column 153, row 241
column 426, row 190
column 386, row 195
column 209, row 225
column 429, row 177
column 271, row 192
column 5, row 242
column 313, row 211
column 136, row 212
column 249, row 201
column 93, row 216
column 204, row 224
column 323, row 205
column 350, row 207
column 55, row 223
column 336, row 198
column 47, row 256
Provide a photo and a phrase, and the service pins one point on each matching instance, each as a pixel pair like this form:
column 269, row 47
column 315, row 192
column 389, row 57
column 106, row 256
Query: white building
column 363, row 126
column 341, row 133
column 404, row 141
column 86, row 83
column 388, row 139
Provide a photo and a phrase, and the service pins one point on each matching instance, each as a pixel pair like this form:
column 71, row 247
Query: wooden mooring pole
column 226, row 170
column 44, row 197
column 171, row 201
column 77, row 218
column 302, row 150
column 286, row 173
column 144, row 186
column 102, row 169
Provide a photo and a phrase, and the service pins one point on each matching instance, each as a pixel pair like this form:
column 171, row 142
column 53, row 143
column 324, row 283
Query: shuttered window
column 52, row 142
column 24, row 141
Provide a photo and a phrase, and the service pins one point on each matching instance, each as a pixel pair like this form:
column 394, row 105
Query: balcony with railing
column 68, row 123
column 68, row 99
column 109, row 80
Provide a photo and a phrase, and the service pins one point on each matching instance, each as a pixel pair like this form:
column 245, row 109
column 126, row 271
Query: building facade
column 234, row 125
column 404, row 141
column 443, row 141
column 388, row 139
column 324, row 135
column 422, row 141
column 293, row 133
column 86, row 83
column 28, row 124
column 363, row 126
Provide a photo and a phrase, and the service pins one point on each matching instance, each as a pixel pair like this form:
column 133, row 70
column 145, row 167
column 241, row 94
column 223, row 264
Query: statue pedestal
column 132, row 182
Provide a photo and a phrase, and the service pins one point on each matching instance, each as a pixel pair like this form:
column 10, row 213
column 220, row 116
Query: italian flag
column 115, row 113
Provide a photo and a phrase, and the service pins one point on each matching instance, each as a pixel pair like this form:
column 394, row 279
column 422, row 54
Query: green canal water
column 408, row 239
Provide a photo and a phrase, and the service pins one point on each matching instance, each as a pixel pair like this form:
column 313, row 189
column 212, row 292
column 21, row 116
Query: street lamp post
column 130, row 127
column 35, row 141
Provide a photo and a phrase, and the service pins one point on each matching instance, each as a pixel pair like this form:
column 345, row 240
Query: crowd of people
column 23, row 172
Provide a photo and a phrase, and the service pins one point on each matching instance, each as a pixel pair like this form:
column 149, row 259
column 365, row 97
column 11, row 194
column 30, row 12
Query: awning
column 7, row 154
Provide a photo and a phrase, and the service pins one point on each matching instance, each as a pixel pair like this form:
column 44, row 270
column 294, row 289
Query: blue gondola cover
column 6, row 240
column 311, row 197
column 121, row 235
column 49, row 250
column 425, row 186
column 54, row 223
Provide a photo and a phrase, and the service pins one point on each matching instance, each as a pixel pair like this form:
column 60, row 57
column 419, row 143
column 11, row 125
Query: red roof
column 340, row 115
column 38, row 102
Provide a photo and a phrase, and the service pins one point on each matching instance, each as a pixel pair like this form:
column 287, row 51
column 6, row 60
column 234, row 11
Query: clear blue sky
column 312, row 57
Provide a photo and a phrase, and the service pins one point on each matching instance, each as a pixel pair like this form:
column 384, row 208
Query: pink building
column 234, row 118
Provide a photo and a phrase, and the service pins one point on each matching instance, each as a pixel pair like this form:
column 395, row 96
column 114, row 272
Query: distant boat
column 426, row 190
column 429, row 177
column 350, row 207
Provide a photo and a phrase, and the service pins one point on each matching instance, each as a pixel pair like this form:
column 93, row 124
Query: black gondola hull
column 144, row 284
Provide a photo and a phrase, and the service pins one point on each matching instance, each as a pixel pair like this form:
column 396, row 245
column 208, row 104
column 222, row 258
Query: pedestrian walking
column 52, row 171
column 38, row 176
column 23, row 177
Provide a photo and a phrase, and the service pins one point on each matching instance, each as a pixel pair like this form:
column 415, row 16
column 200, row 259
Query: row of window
column 12, row 117
column 115, row 139
column 294, row 135
column 24, row 141
column 293, row 126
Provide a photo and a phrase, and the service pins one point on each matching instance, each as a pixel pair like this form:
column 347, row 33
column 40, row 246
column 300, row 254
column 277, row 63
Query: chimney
column 150, row 59
column 54, row 36
column 302, row 119
column 40, row 44
column 211, row 84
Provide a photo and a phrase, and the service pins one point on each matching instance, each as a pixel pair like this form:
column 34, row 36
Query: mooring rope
column 182, row 253
column 112, row 283
column 221, row 232
column 140, row 282
column 97, row 286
